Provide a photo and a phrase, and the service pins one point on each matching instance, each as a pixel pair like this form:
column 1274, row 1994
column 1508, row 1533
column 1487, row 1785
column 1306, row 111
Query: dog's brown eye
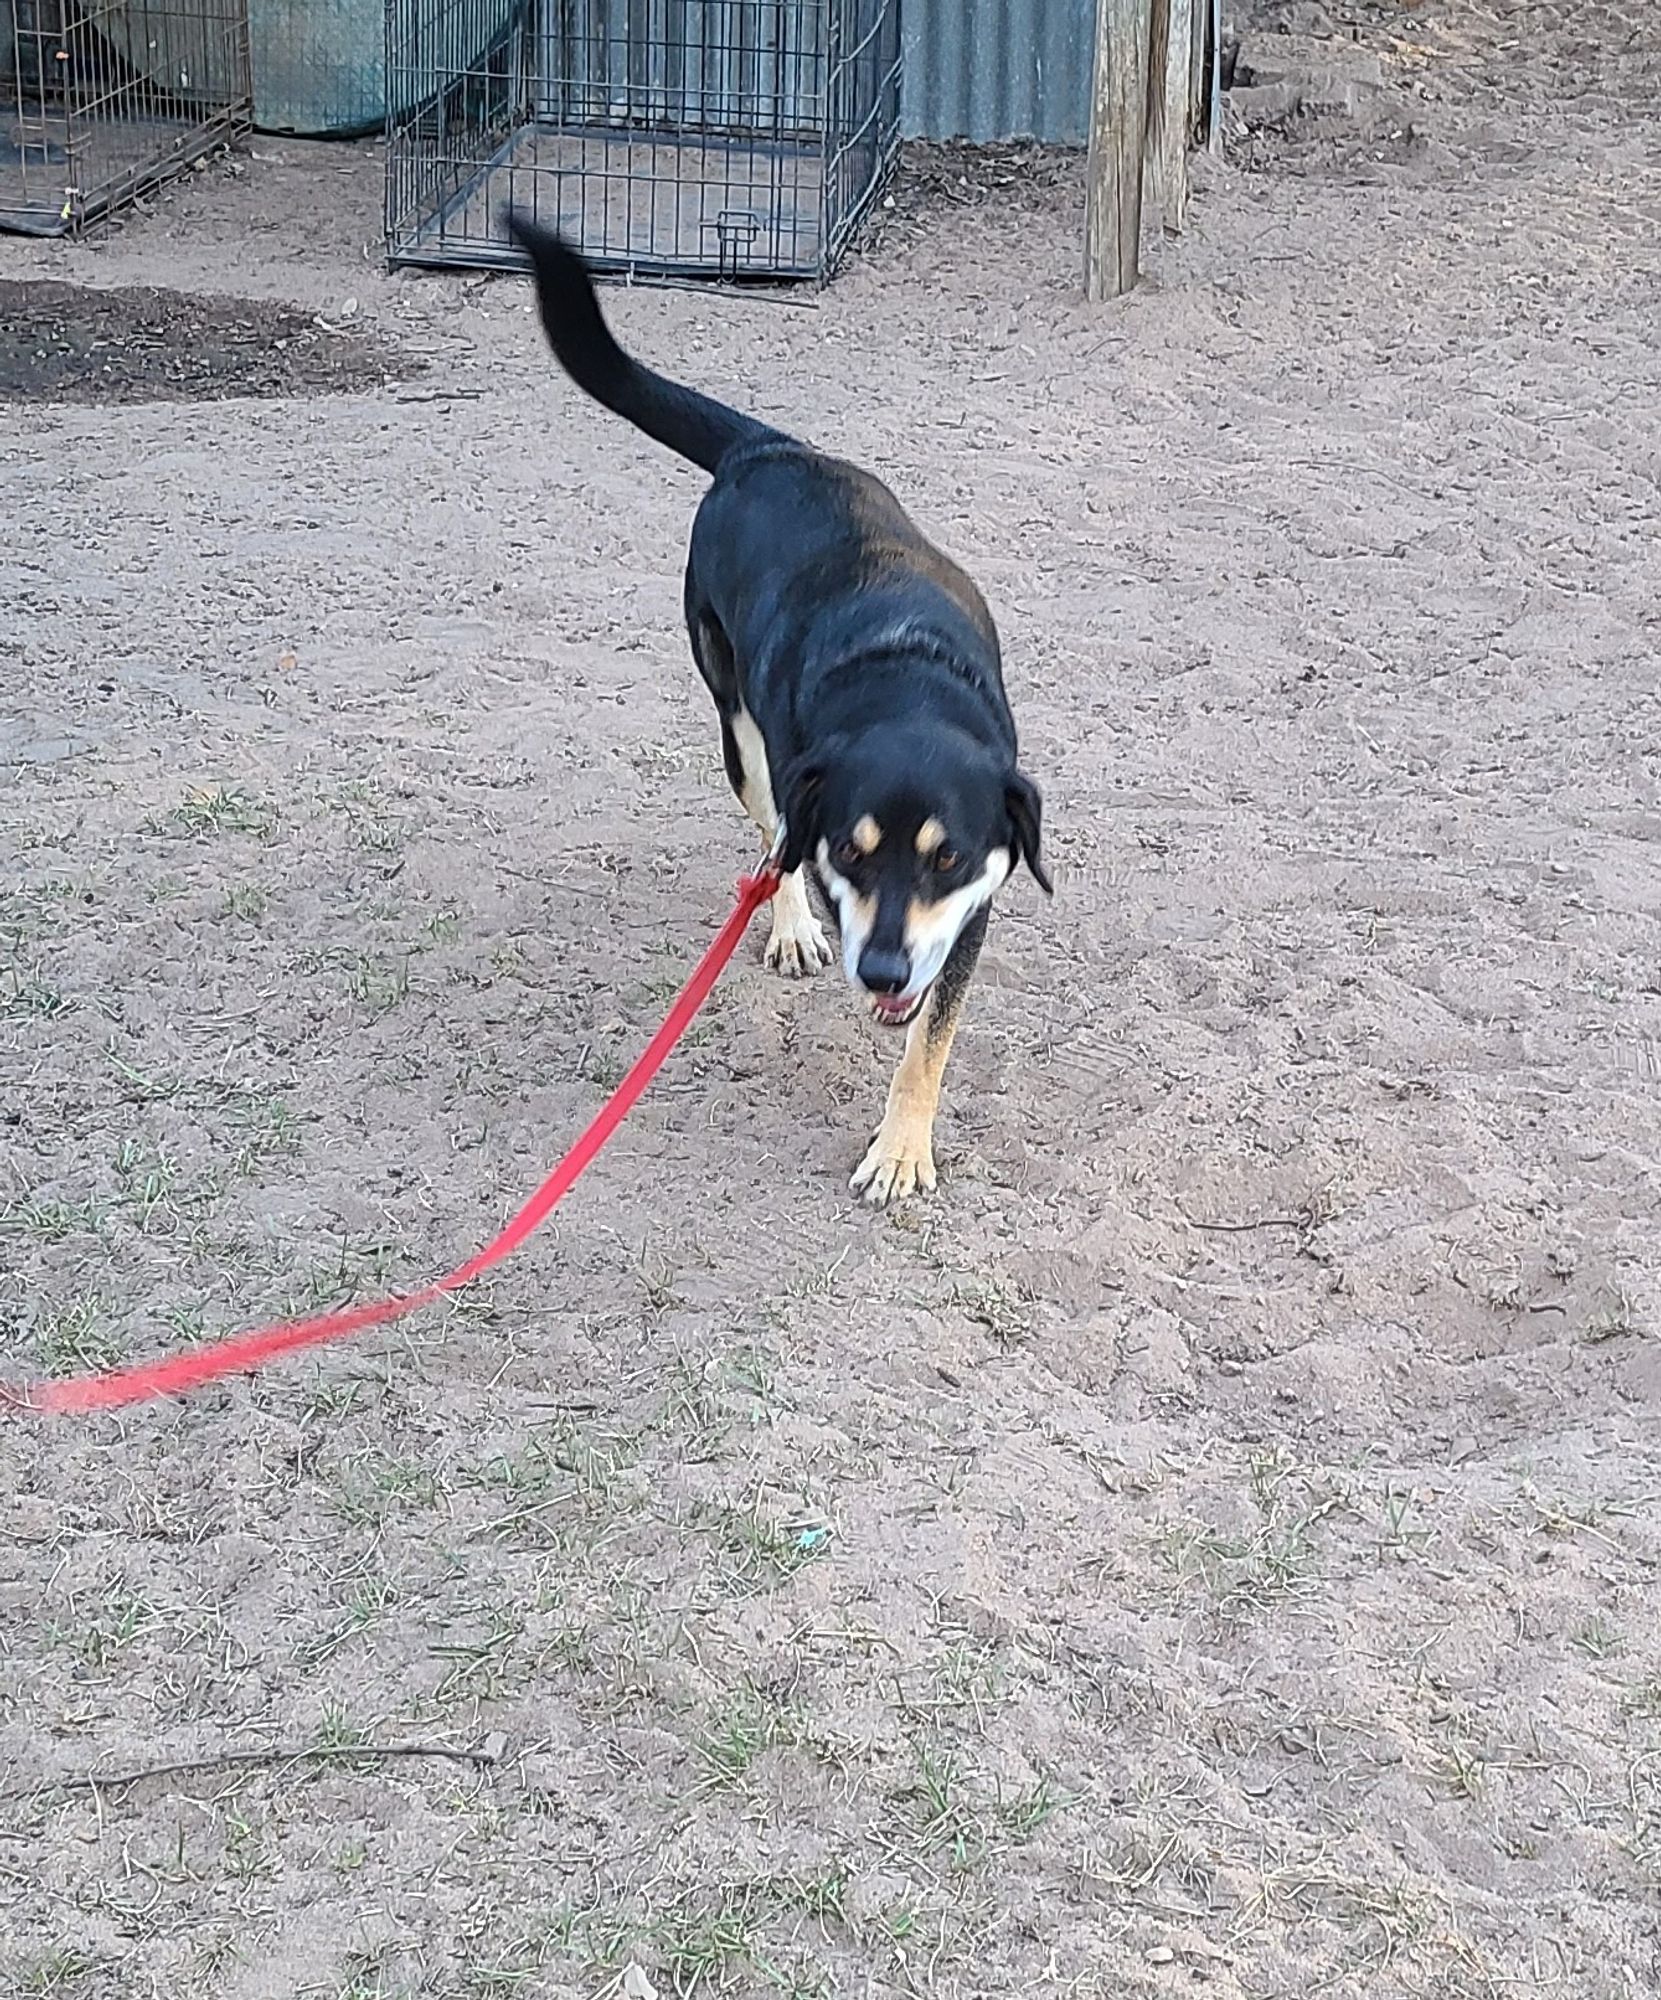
column 847, row 855
column 945, row 859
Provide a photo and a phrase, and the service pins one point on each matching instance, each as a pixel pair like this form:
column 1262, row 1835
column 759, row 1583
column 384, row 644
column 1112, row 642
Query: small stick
column 99, row 1781
column 1255, row 1222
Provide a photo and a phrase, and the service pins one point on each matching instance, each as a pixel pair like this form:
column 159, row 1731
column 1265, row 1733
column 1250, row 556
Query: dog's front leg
column 901, row 1157
column 797, row 945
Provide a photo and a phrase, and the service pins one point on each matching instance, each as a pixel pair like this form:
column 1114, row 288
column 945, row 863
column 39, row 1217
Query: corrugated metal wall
column 707, row 63
column 974, row 69
column 997, row 69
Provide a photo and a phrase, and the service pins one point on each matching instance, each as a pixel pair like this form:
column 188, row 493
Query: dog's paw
column 898, row 1164
column 797, row 950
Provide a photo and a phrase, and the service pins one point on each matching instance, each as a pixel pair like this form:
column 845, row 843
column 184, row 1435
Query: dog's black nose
column 883, row 971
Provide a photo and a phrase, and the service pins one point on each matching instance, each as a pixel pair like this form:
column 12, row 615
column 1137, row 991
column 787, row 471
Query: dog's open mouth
column 896, row 1010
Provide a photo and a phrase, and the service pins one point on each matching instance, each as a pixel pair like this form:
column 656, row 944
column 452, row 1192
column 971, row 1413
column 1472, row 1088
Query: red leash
column 249, row 1350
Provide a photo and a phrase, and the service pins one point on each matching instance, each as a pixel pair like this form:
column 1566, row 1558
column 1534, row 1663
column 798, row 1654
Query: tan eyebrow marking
column 866, row 835
column 931, row 835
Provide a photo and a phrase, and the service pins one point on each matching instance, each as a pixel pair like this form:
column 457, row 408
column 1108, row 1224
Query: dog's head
column 911, row 833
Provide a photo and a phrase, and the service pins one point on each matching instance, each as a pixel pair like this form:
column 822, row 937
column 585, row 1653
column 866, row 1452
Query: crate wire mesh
column 100, row 100
column 666, row 138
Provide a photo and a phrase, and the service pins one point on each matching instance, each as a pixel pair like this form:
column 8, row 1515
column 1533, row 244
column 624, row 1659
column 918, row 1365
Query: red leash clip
column 772, row 869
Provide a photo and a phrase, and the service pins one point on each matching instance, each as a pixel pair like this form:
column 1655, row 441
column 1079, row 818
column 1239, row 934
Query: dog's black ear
column 1026, row 817
column 802, row 787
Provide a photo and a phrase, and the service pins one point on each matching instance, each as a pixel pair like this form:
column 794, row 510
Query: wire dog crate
column 100, row 100
column 666, row 138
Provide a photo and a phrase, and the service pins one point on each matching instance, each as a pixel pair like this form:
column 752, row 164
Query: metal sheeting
column 997, row 69
column 751, row 66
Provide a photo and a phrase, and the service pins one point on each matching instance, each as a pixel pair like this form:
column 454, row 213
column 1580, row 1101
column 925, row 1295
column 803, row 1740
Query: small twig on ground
column 219, row 1760
column 548, row 881
column 1252, row 1222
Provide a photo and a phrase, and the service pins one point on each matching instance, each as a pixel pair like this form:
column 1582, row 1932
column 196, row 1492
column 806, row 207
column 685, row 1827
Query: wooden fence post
column 1118, row 124
column 1155, row 84
column 1175, row 124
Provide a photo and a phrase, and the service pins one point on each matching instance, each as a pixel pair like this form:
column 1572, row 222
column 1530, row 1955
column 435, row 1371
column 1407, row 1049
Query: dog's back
column 782, row 521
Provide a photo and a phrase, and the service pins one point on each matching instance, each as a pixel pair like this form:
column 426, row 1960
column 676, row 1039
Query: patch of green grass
column 565, row 1467
column 268, row 1127
column 76, row 1339
column 817, row 1281
column 603, row 1068
column 1569, row 1517
column 367, row 1490
column 42, row 906
column 1405, row 1534
column 937, row 1812
column 505, row 1967
column 141, row 1086
column 1024, row 1812
column 694, row 1411
column 97, row 1634
column 250, row 1849
column 378, row 982
column 1598, row 1639
column 735, row 1738
column 213, row 810
column 478, row 1668
column 763, row 1552
column 371, row 825
column 29, row 995
column 48, row 1220
column 358, row 1263
column 369, row 1601
column 1463, row 1773
column 966, row 1679
column 60, row 1973
column 1643, row 1697
column 153, row 1188
column 364, row 1975
column 1273, row 1558
column 332, row 1400
column 822, row 1896
column 702, row 1940
column 187, row 1322
column 336, row 1730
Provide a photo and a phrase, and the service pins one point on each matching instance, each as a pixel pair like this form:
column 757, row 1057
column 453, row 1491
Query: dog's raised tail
column 697, row 427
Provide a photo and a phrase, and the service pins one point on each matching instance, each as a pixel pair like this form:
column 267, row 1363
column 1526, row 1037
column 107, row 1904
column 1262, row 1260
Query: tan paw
column 897, row 1165
column 797, row 950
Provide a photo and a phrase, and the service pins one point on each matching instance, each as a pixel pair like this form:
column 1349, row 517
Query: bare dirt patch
column 1212, row 1547
column 63, row 343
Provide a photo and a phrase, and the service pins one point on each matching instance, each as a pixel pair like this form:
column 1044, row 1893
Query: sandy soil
column 1212, row 1546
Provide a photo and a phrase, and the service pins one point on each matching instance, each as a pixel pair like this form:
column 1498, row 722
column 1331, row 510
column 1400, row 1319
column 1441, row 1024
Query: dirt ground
column 1211, row 1547
column 69, row 343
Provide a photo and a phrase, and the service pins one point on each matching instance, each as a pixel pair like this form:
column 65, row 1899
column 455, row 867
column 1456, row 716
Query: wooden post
column 1176, row 122
column 1118, row 129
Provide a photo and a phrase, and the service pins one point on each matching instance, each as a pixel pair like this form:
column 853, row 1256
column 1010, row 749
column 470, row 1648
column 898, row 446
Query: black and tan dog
column 863, row 716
